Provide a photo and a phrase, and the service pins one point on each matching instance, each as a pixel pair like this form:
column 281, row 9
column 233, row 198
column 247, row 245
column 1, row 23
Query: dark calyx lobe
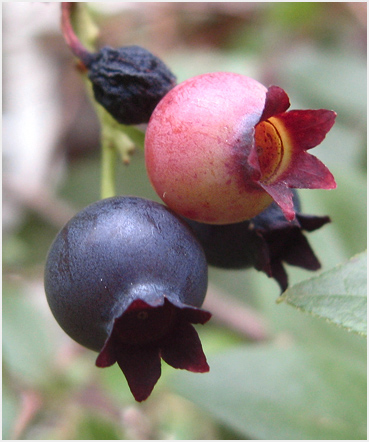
column 144, row 334
column 264, row 242
column 129, row 82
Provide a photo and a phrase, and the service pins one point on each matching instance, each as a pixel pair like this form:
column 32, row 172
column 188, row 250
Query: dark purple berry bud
column 264, row 242
column 126, row 277
column 129, row 82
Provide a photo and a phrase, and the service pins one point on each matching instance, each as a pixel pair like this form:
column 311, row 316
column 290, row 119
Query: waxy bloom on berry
column 220, row 147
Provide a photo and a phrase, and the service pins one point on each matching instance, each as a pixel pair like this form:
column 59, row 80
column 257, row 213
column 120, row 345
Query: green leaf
column 338, row 295
column 287, row 391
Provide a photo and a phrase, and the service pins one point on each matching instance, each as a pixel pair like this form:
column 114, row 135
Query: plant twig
column 108, row 163
column 53, row 210
column 236, row 316
column 78, row 49
column 116, row 139
column 31, row 403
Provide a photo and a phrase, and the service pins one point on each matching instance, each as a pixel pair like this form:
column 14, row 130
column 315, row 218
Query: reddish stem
column 70, row 37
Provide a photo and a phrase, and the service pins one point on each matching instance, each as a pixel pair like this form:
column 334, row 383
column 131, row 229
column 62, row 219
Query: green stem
column 136, row 135
column 117, row 141
column 86, row 33
column 108, row 164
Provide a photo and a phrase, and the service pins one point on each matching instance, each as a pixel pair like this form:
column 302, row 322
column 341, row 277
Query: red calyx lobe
column 276, row 102
column 279, row 156
column 144, row 333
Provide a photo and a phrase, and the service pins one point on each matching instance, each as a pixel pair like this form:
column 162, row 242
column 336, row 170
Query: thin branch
column 235, row 315
column 53, row 210
column 31, row 403
column 70, row 36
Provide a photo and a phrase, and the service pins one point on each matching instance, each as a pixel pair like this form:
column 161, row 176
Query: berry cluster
column 127, row 277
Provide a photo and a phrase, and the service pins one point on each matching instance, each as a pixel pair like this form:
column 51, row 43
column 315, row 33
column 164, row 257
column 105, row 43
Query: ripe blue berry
column 264, row 242
column 126, row 277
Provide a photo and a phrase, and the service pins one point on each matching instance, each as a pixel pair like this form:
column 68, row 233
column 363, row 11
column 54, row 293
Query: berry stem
column 117, row 140
column 74, row 12
column 78, row 49
column 108, row 162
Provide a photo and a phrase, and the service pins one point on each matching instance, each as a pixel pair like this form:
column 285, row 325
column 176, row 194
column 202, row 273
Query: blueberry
column 264, row 242
column 126, row 277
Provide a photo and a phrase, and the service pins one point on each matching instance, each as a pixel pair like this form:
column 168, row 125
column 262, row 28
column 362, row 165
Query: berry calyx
column 220, row 147
column 126, row 277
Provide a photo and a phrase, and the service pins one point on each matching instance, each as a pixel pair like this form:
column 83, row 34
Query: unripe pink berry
column 220, row 147
column 197, row 144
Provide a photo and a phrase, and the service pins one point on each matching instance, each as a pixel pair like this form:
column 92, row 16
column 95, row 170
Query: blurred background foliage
column 276, row 373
